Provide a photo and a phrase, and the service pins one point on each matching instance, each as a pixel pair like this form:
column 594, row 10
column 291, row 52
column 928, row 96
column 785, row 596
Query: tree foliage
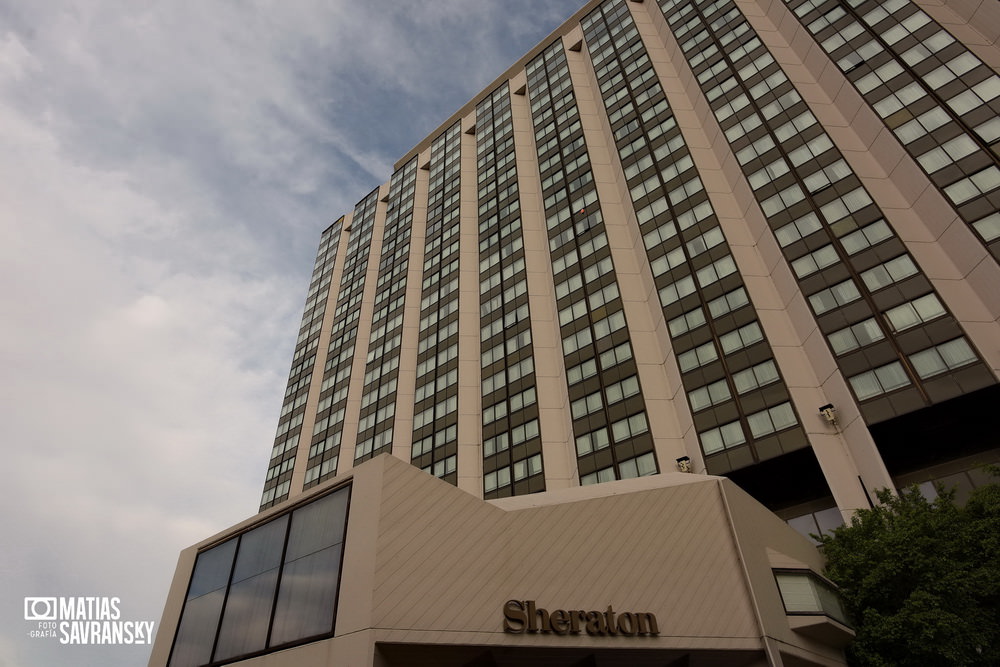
column 921, row 579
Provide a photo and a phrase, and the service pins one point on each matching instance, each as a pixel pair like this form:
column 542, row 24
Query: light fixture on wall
column 829, row 413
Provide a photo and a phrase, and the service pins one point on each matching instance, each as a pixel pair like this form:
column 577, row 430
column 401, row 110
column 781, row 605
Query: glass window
column 802, row 592
column 722, row 437
column 686, row 322
column 699, row 356
column 797, row 229
column 815, row 261
column 973, row 186
column 756, row 376
column 206, row 593
column 637, row 467
column 953, row 354
column 988, row 227
column 305, row 545
column 866, row 237
column 879, row 381
column 772, row 419
column 590, row 442
column 629, row 427
column 709, row 395
column 728, row 302
column 915, row 312
column 855, row 336
column 890, row 272
column 743, row 337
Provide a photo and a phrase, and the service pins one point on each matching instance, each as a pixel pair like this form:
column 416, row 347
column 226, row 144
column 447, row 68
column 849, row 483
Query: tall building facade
column 751, row 239
column 685, row 262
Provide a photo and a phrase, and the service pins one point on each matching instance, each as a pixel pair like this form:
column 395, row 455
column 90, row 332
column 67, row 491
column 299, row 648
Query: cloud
column 166, row 172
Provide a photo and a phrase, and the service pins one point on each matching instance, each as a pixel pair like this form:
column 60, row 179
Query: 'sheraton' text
column 523, row 616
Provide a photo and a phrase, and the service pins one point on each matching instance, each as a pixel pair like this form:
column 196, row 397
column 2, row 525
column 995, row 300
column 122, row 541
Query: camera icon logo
column 40, row 609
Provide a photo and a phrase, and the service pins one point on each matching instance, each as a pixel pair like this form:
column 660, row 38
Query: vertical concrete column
column 470, row 392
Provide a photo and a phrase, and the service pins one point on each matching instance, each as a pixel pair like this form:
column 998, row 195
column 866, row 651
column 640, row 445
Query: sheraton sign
column 523, row 616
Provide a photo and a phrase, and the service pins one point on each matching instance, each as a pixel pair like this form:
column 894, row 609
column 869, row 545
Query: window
column 743, row 337
column 885, row 274
column 442, row 468
column 603, row 475
column 844, row 206
column 866, row 237
column 586, row 405
column 722, row 437
column 622, row 390
column 686, row 322
column 699, row 356
column 498, row 443
column 855, row 336
column 879, row 381
column 728, row 302
column 797, row 229
column 912, row 313
column 802, row 592
column 940, row 358
column 630, row 427
column 616, row 355
column 716, row 271
column 900, row 99
column 756, row 376
column 640, row 466
column 494, row 480
column 237, row 598
column 527, row 467
column 815, row 261
column 988, row 227
column 834, row 297
column 677, row 290
column 709, row 395
column 581, row 372
column 978, row 183
column 591, row 442
column 947, row 153
column 923, row 124
column 771, row 420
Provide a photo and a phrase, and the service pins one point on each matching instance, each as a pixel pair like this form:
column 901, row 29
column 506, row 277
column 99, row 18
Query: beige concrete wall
column 470, row 370
column 427, row 563
column 446, row 563
column 764, row 544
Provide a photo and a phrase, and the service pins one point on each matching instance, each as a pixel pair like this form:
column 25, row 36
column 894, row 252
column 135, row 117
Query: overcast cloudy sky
column 165, row 172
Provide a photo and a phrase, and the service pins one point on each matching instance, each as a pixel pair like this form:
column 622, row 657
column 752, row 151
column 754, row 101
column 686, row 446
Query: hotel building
column 682, row 262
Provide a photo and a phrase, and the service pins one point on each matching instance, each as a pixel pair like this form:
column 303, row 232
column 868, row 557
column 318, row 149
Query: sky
column 165, row 172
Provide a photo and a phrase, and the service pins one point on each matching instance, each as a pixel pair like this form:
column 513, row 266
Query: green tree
column 921, row 579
